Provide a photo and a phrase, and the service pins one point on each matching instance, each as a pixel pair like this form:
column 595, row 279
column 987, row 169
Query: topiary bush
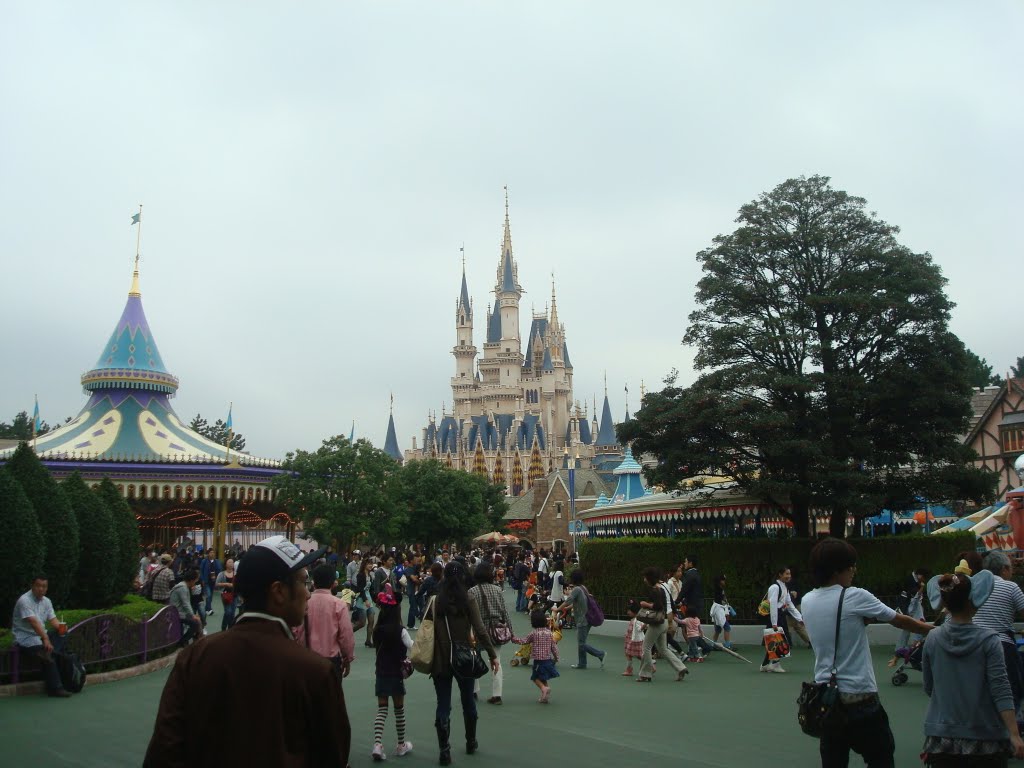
column 56, row 520
column 126, row 536
column 94, row 580
column 23, row 559
column 613, row 566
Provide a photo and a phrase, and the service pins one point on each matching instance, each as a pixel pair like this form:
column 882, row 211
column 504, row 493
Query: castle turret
column 464, row 351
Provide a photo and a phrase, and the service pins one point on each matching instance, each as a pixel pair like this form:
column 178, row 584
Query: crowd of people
column 294, row 603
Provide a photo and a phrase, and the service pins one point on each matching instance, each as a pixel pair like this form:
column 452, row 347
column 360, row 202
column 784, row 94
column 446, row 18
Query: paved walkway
column 726, row 714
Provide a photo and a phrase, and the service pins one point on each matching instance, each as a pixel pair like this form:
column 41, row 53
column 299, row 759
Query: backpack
column 72, row 671
column 595, row 616
column 147, row 588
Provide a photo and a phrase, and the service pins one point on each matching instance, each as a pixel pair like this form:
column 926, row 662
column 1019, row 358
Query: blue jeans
column 521, row 597
column 443, row 689
column 228, row 619
column 582, row 632
column 208, row 594
column 51, row 675
column 413, row 609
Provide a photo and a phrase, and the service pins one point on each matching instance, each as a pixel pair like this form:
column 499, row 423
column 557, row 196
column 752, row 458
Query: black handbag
column 818, row 706
column 465, row 660
column 650, row 616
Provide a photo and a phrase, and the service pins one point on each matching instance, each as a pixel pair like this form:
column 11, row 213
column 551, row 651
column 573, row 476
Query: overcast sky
column 310, row 170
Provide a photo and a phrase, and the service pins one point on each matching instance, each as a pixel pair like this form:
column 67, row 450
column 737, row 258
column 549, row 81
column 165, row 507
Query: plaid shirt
column 542, row 644
column 489, row 599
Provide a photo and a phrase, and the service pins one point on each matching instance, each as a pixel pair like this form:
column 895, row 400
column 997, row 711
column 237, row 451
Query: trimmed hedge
column 613, row 566
column 135, row 607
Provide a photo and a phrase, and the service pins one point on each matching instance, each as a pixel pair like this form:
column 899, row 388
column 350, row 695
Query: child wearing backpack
column 392, row 642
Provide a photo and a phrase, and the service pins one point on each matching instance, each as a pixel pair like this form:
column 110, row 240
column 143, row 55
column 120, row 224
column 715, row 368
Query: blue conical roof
column 130, row 359
column 606, row 433
column 547, row 367
column 464, row 297
column 391, row 441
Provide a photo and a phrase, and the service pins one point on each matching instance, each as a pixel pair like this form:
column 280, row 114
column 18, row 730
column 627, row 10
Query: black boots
column 471, row 743
column 443, row 728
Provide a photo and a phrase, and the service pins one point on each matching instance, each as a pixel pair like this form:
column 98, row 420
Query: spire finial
column 392, row 403
column 606, row 383
column 136, row 219
column 506, row 203
column 462, row 250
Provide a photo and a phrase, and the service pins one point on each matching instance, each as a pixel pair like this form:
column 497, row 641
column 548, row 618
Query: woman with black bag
column 455, row 617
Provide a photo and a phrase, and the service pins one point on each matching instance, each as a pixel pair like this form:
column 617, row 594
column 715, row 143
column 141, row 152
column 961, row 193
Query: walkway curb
column 36, row 687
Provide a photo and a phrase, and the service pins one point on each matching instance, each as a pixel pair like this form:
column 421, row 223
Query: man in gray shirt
column 181, row 600
column 31, row 614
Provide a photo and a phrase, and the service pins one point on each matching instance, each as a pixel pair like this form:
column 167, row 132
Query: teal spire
column 130, row 359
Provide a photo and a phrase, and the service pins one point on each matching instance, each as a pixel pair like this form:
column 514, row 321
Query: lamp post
column 571, row 464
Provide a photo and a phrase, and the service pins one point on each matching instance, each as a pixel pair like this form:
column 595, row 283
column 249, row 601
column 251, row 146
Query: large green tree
column 126, row 536
column 979, row 372
column 444, row 504
column 217, row 432
column 830, row 378
column 342, row 491
column 96, row 574
column 23, row 558
column 56, row 519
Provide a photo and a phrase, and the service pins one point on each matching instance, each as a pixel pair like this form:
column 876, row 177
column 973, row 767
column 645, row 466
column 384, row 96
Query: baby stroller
column 909, row 657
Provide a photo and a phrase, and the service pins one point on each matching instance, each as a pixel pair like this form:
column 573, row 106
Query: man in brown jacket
column 255, row 679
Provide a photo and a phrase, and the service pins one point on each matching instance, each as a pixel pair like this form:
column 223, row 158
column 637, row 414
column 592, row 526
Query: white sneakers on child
column 403, row 749
column 772, row 668
column 378, row 753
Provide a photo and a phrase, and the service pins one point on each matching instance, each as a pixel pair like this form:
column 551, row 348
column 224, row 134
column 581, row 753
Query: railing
column 614, row 607
column 106, row 639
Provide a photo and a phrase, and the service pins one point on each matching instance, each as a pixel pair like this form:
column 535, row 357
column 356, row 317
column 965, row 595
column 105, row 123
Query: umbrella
column 489, row 538
column 730, row 651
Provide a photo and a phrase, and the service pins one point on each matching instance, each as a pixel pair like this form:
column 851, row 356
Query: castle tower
column 465, row 353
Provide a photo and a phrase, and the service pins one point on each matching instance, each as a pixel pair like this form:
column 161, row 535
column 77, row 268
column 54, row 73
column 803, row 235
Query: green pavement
column 726, row 713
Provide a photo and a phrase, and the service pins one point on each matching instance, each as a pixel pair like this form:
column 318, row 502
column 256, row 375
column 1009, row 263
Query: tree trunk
column 837, row 522
column 801, row 518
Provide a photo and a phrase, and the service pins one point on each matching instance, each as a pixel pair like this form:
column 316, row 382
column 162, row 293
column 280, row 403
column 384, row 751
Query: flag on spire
column 36, row 423
column 136, row 218
column 228, row 424
column 352, row 433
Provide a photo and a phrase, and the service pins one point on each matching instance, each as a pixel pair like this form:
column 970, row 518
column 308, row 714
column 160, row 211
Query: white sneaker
column 775, row 668
column 403, row 749
column 378, row 753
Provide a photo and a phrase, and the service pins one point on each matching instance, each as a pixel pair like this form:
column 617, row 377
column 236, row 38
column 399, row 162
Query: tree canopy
column 125, row 539
column 217, row 432
column 979, row 372
column 341, row 491
column 20, row 427
column 442, row 504
column 345, row 492
column 96, row 575
column 829, row 377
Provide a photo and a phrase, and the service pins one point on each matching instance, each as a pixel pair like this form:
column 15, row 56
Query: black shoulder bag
column 818, row 707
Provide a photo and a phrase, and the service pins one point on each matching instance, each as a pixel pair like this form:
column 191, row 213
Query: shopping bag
column 422, row 654
column 775, row 644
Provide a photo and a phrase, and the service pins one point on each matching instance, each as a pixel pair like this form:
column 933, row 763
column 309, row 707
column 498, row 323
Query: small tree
column 56, row 520
column 443, row 504
column 126, row 533
column 94, row 579
column 218, row 432
column 23, row 560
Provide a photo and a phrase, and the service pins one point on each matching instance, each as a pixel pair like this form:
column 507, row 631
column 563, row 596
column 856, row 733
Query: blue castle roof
column 494, row 326
column 464, row 296
column 547, row 367
column 565, row 355
column 606, row 432
column 391, row 441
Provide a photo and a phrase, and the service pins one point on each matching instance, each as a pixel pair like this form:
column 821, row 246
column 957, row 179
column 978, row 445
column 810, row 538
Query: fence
column 614, row 607
column 106, row 640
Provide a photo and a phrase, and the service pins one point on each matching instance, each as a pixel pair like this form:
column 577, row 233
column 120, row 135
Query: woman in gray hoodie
column 970, row 719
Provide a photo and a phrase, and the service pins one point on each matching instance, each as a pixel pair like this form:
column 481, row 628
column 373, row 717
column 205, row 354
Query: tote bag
column 422, row 655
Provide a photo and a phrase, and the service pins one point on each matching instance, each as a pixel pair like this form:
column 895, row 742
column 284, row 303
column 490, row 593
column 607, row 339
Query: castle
column 513, row 417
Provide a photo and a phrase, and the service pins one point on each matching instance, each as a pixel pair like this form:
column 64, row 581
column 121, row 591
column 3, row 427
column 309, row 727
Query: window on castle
column 558, row 510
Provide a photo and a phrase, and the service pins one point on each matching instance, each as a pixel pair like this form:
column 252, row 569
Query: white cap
column 290, row 555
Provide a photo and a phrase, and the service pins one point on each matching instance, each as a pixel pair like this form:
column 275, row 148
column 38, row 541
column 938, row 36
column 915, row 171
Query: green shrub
column 22, row 560
column 613, row 566
column 94, row 578
column 126, row 537
column 56, row 520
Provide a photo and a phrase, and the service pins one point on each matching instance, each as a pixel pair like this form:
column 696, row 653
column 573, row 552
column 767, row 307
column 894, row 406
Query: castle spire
column 508, row 272
column 464, row 303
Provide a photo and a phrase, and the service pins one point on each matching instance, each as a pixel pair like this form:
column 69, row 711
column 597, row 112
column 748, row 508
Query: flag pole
column 138, row 236
column 227, row 444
